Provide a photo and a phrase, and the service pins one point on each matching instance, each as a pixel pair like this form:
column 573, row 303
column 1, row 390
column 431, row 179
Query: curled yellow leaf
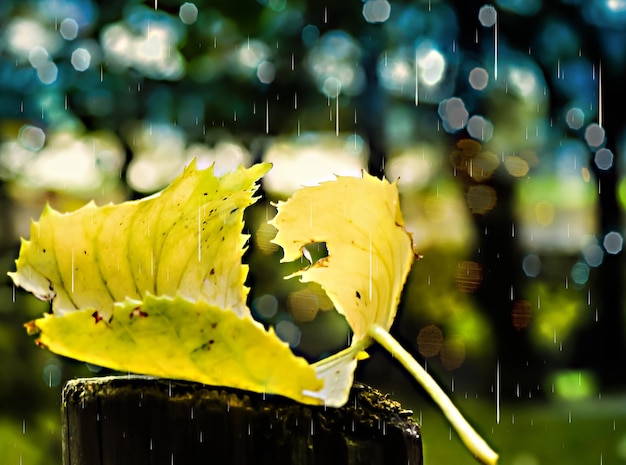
column 369, row 251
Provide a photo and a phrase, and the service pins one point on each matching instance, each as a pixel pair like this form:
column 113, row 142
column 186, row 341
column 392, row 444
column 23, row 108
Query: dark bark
column 138, row 420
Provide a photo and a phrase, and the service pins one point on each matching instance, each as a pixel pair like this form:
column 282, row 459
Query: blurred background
column 504, row 123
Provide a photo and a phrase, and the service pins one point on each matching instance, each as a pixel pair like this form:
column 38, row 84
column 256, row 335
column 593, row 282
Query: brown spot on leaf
column 96, row 316
column 358, row 295
column 212, row 272
column 138, row 312
column 213, row 325
column 41, row 344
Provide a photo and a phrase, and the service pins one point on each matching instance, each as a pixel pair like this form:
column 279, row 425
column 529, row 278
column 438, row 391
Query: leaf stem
column 468, row 435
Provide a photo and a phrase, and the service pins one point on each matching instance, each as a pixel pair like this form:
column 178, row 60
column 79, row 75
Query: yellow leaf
column 369, row 251
column 156, row 286
column 185, row 240
column 369, row 257
column 178, row 338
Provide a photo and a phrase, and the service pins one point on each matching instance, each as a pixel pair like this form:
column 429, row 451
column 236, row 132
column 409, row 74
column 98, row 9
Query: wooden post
column 150, row 421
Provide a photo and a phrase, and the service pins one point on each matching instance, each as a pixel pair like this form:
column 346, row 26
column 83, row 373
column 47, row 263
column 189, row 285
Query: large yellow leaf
column 102, row 266
column 177, row 338
column 369, row 251
column 186, row 240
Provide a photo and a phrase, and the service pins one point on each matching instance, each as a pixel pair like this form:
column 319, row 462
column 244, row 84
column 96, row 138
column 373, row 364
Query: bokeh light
column 469, row 157
column 266, row 72
column 580, row 273
column 594, row 135
column 303, row 305
column 516, row 166
column 613, row 242
column 335, row 55
column 478, row 78
column 309, row 160
column 430, row 341
column 31, row 137
column 575, row 118
column 52, row 372
column 289, row 332
column 69, row 28
column 376, row 11
column 480, row 128
column 468, row 276
column 531, row 264
column 521, row 314
column 481, row 198
column 265, row 306
column 453, row 114
column 431, row 63
column 603, row 159
column 148, row 43
column 263, row 237
column 544, row 212
column 81, row 59
column 487, row 15
column 23, row 34
column 593, row 254
column 188, row 13
column 452, row 353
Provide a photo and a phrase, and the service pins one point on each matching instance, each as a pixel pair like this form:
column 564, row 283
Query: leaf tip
column 32, row 328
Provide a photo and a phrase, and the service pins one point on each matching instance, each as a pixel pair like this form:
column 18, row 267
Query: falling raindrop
column 498, row 392
column 488, row 17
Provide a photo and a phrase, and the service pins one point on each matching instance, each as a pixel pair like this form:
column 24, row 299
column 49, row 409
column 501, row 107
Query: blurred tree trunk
column 372, row 104
column 601, row 346
column 7, row 227
column 500, row 257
